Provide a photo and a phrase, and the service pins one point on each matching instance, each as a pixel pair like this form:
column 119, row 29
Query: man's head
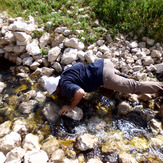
column 51, row 83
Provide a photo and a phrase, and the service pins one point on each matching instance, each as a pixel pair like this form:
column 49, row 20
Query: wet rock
column 27, row 96
column 69, row 56
column 139, row 143
column 50, row 146
column 44, row 40
column 124, row 108
column 5, row 128
column 50, row 111
column 76, row 114
column 126, row 158
column 36, row 156
column 2, row 86
column 86, row 142
column 31, row 142
column 156, row 142
column 57, row 156
column 155, row 126
column 81, row 158
column 15, row 155
column 2, row 157
column 40, row 97
column 94, row 160
column 145, row 97
column 53, row 54
column 19, row 126
column 9, row 142
column 27, row 107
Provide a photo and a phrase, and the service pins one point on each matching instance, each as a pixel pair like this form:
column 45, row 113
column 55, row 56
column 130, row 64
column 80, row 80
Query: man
column 79, row 78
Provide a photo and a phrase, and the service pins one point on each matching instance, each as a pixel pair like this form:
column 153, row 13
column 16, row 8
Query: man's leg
column 124, row 85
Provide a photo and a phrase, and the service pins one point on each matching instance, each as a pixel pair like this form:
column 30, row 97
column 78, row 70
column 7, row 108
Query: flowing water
column 117, row 134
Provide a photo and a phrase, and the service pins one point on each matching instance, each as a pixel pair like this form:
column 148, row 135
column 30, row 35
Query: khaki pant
column 120, row 84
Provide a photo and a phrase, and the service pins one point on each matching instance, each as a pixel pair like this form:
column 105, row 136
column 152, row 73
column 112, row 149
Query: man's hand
column 77, row 98
column 65, row 109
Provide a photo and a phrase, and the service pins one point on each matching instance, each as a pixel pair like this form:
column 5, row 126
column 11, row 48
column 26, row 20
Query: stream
column 117, row 134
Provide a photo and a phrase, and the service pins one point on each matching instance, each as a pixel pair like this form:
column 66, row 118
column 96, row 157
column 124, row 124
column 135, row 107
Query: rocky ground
column 142, row 60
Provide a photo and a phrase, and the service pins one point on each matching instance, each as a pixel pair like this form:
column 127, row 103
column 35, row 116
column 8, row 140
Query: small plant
column 37, row 34
column 43, row 52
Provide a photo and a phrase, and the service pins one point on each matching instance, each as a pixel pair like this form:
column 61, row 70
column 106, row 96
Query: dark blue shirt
column 88, row 77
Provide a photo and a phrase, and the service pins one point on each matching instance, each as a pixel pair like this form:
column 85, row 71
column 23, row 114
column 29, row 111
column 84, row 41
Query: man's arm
column 76, row 99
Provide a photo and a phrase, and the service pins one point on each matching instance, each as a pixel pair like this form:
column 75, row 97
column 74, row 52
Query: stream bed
column 118, row 134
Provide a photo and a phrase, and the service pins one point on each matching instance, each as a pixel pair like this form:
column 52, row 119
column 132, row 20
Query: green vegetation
column 143, row 17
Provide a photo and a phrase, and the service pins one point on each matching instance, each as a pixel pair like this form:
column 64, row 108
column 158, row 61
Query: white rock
column 9, row 142
column 76, row 114
column 27, row 61
column 44, row 40
column 22, row 36
column 53, row 54
column 33, row 49
column 155, row 126
column 34, row 65
column 159, row 68
column 74, row 43
column 156, row 53
column 89, row 56
column 67, row 32
column 133, row 44
column 4, row 29
column 69, row 56
column 27, row 95
column 2, row 157
column 109, row 39
column 2, row 86
column 148, row 61
column 66, row 160
column 15, row 155
column 146, row 51
column 18, row 61
column 19, row 49
column 57, row 67
column 31, row 142
column 36, row 157
column 46, row 71
column 104, row 49
column 9, row 36
column 100, row 42
column 22, row 27
column 77, row 32
column 91, row 47
column 8, row 48
column 60, row 29
column 81, row 55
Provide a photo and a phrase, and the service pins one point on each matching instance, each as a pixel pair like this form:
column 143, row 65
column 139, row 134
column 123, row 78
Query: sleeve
column 69, row 89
